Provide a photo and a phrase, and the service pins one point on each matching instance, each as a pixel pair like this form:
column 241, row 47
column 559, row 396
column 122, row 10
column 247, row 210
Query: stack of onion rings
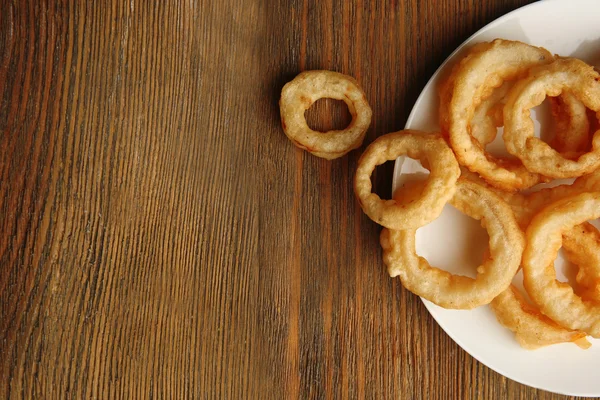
column 475, row 79
column 556, row 299
column 579, row 79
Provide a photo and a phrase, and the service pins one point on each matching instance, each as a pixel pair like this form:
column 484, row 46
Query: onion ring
column 431, row 150
column 454, row 291
column 581, row 244
column 299, row 94
column 550, row 80
column 544, row 238
column 479, row 73
column 572, row 125
column 532, row 329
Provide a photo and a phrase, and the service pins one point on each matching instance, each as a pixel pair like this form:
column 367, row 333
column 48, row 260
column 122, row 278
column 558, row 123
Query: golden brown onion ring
column 569, row 74
column 433, row 152
column 454, row 291
column 476, row 77
column 532, row 329
column 299, row 94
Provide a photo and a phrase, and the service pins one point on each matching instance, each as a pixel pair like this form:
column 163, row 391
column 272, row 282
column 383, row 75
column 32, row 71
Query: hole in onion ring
column 463, row 252
column 577, row 261
column 544, row 128
column 547, row 125
column 594, row 126
column 413, row 178
column 497, row 147
column 518, row 283
column 411, row 189
column 565, row 270
column 380, row 179
column 326, row 115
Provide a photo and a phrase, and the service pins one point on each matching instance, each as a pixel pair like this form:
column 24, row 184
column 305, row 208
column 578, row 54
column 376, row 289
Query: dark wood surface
column 160, row 236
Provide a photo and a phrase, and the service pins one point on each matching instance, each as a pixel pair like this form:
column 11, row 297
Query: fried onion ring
column 571, row 121
column 556, row 299
column 454, row 291
column 299, row 94
column 532, row 329
column 478, row 74
column 550, row 80
column 431, row 150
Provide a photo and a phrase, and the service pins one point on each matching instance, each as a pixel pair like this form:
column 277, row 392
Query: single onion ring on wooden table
column 299, row 94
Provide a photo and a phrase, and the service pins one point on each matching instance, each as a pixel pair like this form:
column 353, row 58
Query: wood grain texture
column 161, row 238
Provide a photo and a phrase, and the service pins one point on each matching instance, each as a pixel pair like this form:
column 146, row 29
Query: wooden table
column 160, row 236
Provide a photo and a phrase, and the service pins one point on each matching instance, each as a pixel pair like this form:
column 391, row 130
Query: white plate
column 569, row 28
